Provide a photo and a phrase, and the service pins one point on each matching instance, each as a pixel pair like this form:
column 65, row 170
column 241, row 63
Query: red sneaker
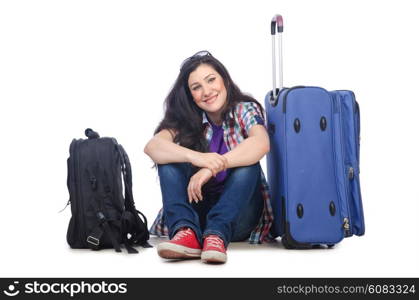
column 183, row 245
column 214, row 250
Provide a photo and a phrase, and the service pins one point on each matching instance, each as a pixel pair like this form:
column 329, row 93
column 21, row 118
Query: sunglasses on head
column 196, row 55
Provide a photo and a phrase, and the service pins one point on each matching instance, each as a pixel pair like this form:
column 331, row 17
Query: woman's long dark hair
column 184, row 116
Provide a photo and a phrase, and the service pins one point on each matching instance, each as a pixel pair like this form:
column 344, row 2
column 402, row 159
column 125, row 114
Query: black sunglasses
column 196, row 55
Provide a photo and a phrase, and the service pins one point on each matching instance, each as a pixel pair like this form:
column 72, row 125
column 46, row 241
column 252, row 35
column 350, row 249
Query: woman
column 207, row 148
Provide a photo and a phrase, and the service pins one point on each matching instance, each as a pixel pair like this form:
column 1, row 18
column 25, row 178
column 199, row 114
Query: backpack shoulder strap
column 134, row 225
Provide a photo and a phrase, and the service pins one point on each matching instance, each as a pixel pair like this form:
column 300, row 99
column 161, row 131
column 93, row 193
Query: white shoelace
column 181, row 234
column 214, row 241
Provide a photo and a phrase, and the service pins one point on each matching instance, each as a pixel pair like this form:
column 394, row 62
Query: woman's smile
column 211, row 99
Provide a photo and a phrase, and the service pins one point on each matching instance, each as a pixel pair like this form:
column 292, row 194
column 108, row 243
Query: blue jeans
column 231, row 215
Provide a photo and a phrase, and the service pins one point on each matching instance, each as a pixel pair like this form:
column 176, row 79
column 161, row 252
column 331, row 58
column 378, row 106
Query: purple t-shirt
column 217, row 144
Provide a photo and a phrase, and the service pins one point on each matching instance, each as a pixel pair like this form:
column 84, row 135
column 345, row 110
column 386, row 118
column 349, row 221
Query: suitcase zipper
column 346, row 220
column 351, row 173
column 346, row 227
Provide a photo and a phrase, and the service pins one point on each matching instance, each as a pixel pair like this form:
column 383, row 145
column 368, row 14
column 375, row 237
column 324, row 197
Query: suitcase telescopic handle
column 277, row 27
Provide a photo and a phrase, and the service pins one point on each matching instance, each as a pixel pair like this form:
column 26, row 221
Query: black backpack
column 99, row 181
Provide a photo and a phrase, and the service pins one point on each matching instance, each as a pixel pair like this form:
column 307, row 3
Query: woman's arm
column 162, row 150
column 251, row 150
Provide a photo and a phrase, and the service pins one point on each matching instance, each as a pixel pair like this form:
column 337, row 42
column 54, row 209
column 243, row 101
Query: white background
column 68, row 65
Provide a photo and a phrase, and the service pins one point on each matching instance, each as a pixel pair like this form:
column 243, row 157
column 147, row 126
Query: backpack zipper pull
column 68, row 202
column 93, row 182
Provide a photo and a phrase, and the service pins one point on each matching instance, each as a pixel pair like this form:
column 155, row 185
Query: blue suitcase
column 313, row 165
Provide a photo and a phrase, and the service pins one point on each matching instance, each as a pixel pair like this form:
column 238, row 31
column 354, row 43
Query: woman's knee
column 252, row 171
column 173, row 170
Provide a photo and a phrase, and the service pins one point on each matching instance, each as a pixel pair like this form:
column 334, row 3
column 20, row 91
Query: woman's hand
column 212, row 161
column 195, row 184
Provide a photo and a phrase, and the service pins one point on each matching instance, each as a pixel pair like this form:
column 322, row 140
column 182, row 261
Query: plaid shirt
column 244, row 116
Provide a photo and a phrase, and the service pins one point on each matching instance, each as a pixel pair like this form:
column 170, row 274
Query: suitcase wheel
column 330, row 246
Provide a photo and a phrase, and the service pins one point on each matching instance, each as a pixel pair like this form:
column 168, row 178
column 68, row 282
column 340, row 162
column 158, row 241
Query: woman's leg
column 203, row 207
column 237, row 197
column 249, row 216
column 178, row 213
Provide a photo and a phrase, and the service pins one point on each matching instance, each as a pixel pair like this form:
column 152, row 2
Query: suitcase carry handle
column 277, row 27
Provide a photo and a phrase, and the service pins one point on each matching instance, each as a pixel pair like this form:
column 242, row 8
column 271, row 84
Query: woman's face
column 207, row 89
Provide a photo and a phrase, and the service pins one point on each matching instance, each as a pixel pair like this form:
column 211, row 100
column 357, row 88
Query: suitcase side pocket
column 352, row 164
